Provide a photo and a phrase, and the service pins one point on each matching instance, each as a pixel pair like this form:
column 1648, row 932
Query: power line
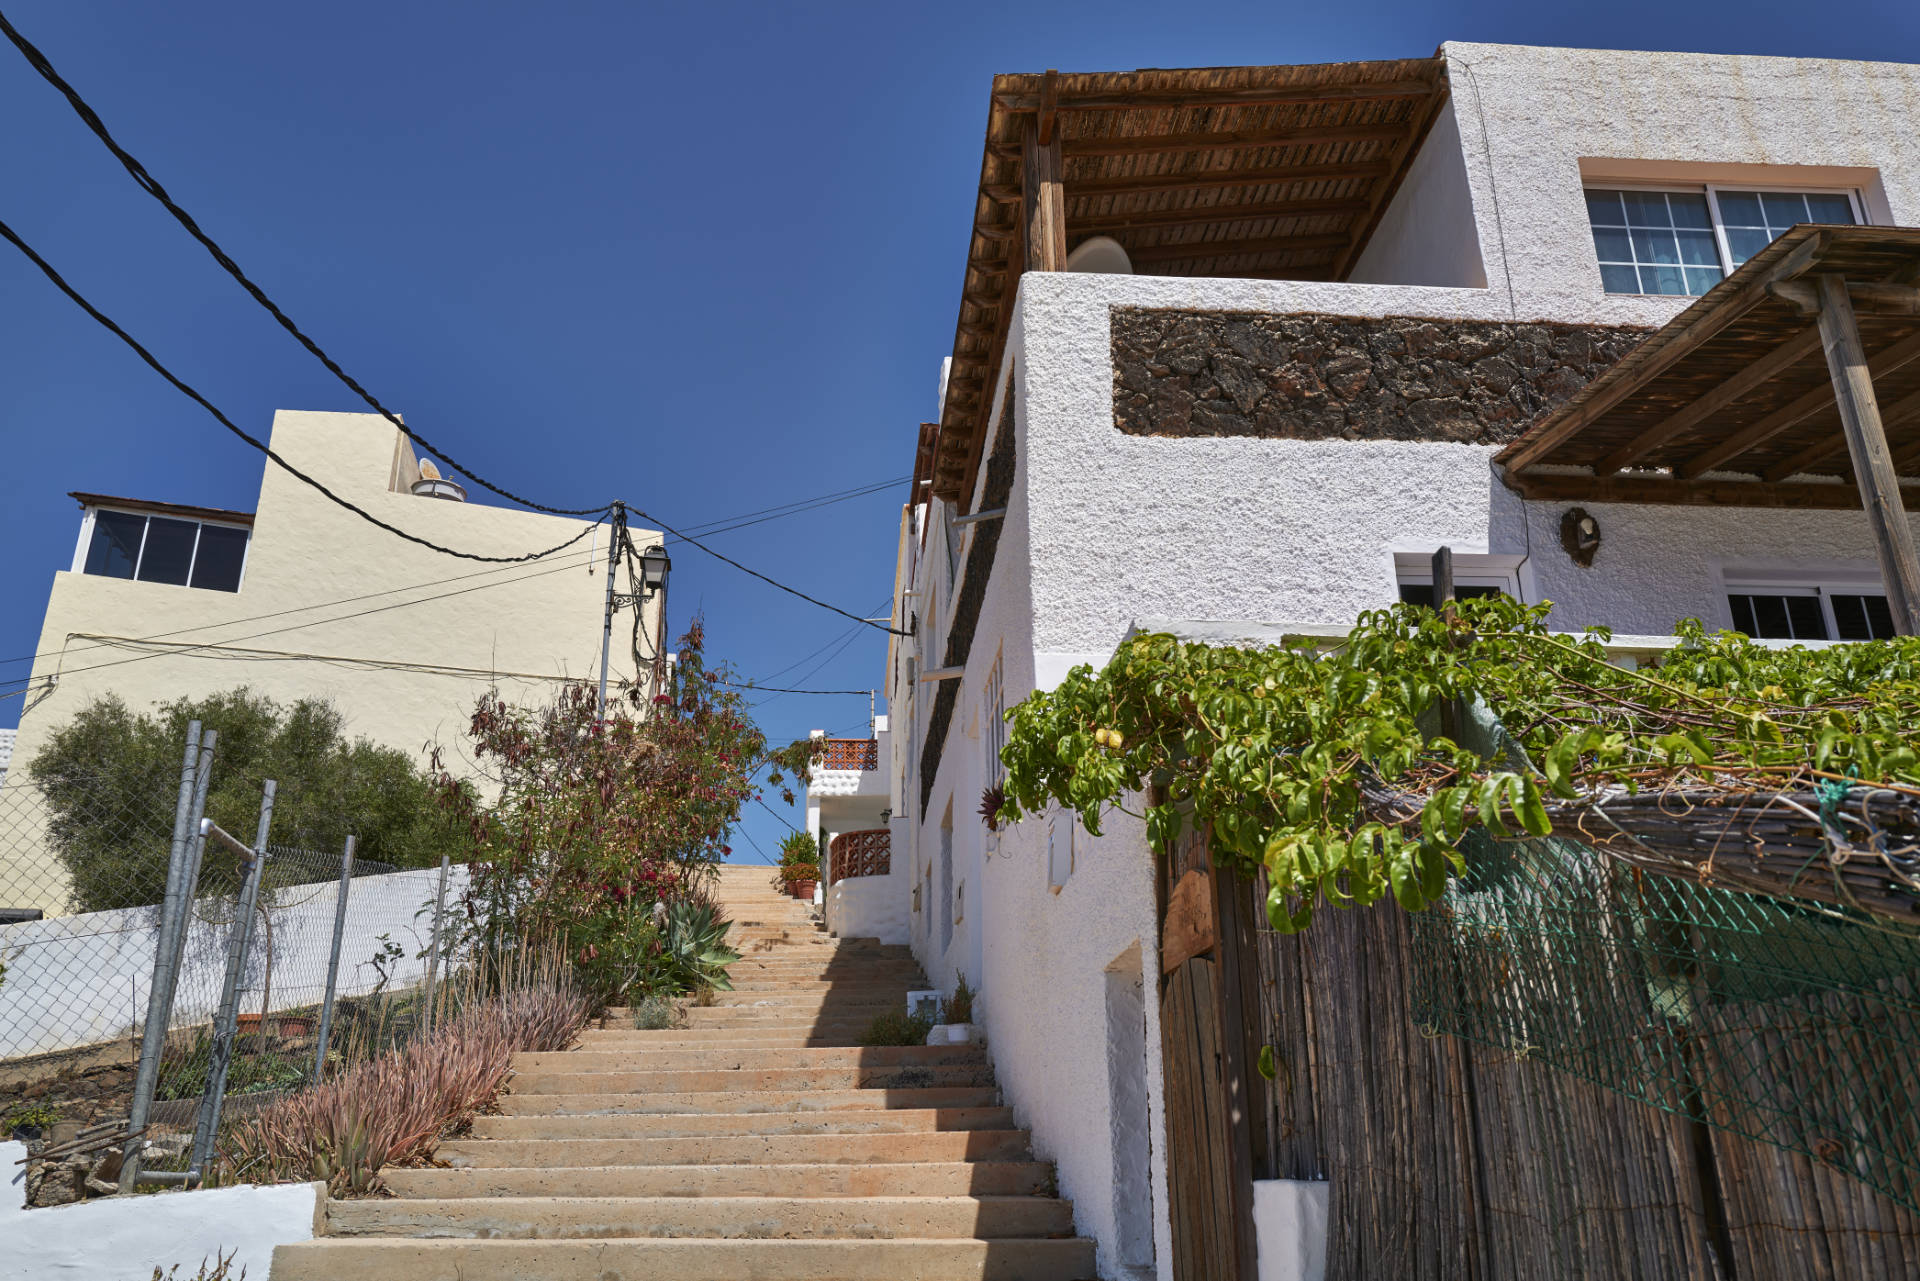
column 573, row 562
column 776, row 813
column 754, row 573
column 151, row 185
column 773, row 689
column 7, row 233
column 731, row 523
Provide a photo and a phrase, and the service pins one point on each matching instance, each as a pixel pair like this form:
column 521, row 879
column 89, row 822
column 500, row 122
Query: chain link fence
column 125, row 918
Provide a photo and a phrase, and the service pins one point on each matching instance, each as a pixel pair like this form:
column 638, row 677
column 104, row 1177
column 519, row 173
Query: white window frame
column 1822, row 586
column 1470, row 569
column 85, row 544
column 1712, row 192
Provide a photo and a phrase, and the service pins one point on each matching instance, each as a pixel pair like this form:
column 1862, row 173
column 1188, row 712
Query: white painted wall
column 1427, row 236
column 871, row 906
column 126, row 1238
column 43, row 1008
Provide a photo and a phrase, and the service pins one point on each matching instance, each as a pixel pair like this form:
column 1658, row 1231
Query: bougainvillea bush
column 594, row 820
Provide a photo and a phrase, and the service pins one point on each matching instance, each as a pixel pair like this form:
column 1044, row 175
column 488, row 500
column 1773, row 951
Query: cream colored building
column 301, row 598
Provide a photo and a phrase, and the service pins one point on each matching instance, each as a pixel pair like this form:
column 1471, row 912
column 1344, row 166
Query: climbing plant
column 1326, row 765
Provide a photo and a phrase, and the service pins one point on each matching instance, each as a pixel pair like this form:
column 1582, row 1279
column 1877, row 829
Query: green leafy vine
column 1301, row 758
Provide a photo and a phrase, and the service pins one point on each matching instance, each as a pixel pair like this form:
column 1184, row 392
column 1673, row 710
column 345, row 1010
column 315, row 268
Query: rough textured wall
column 1322, row 377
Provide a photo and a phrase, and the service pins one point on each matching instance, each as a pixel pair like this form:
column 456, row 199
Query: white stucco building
column 300, row 598
column 1333, row 322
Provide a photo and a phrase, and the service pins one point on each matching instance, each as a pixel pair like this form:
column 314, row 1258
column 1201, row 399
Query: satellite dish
column 428, row 471
column 1101, row 255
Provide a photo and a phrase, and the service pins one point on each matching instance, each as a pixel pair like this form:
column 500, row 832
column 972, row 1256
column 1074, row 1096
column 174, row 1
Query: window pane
column 1646, row 208
column 1808, row 622
column 221, row 552
column 1743, row 620
column 1611, row 245
column 1655, row 246
column 169, row 550
column 1739, row 208
column 1861, row 618
column 1662, row 280
column 1701, row 279
column 1783, row 209
column 1743, row 243
column 1603, row 208
column 1619, row 280
column 1770, row 618
column 115, row 548
column 1689, row 209
column 1836, row 209
column 1697, row 249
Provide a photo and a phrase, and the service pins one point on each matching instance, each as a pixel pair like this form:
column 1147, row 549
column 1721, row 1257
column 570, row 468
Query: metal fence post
column 333, row 962
column 433, row 948
column 208, row 1124
column 196, row 844
column 153, row 1034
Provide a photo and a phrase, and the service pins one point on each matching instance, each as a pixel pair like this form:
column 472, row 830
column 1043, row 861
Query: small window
column 166, row 549
column 1422, row 593
column 1808, row 611
column 993, row 735
column 1684, row 241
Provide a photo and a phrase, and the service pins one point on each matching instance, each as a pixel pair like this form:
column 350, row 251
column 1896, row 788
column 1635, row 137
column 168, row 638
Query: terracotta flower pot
column 801, row 889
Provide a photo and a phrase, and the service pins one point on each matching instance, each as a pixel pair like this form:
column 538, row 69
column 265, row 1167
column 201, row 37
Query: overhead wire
column 12, row 237
column 151, row 185
column 730, row 523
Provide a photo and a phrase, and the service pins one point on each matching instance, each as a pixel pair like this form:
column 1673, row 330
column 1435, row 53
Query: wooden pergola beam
column 1657, row 491
column 1233, row 248
column 1257, row 212
column 1884, row 362
column 1221, row 140
column 1144, row 99
column 1044, row 203
column 1224, row 179
column 1869, row 298
column 1532, row 450
column 1740, row 385
column 1867, row 443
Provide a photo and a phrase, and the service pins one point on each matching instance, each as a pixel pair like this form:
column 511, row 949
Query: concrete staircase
column 759, row 1142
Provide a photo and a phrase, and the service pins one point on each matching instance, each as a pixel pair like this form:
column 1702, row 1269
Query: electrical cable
column 776, row 813
column 231, row 641
column 731, row 523
column 151, row 185
column 574, row 562
column 7, row 233
column 772, row 689
column 754, row 573
column 840, row 649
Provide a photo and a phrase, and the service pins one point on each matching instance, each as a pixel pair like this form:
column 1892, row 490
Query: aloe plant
column 695, row 940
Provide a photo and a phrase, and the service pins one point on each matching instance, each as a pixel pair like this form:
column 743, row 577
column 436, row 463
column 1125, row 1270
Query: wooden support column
column 1044, row 202
column 1867, row 443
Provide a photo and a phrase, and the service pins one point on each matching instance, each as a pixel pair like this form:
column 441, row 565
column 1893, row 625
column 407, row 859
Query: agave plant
column 695, row 942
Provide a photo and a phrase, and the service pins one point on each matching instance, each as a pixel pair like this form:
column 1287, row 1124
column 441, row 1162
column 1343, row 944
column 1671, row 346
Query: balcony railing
column 865, row 853
column 851, row 753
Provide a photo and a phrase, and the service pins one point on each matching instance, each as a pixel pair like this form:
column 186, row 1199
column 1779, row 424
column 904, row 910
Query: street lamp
column 654, row 564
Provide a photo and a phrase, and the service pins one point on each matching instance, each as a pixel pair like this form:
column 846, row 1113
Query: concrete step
column 693, row 1124
column 743, row 1149
column 852, row 998
column 924, row 1178
column 927, row 1259
column 775, row 1010
column 688, row 1038
column 744, row 1058
column 873, row 1078
column 749, row 1218
column 709, row 1102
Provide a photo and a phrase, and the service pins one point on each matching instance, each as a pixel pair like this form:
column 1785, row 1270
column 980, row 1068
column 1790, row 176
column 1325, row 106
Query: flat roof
column 1264, row 172
column 183, row 510
column 1739, row 383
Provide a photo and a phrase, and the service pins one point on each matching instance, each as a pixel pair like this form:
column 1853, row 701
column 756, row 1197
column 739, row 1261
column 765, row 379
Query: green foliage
column 112, row 776
column 959, row 1007
column 1292, row 754
column 799, row 848
column 895, row 1028
column 696, row 945
column 32, row 1116
column 655, row 1013
column 185, row 1076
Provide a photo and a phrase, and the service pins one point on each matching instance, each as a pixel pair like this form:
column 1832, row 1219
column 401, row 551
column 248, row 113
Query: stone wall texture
column 1323, row 377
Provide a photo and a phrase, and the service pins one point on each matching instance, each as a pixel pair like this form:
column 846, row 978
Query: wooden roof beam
column 1658, row 491
column 1175, row 99
column 1096, row 224
column 1223, row 179
column 1715, row 399
column 1235, row 248
column 1234, row 140
column 1609, row 392
column 1884, row 362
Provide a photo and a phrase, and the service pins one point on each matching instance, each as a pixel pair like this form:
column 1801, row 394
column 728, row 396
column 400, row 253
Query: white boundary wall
column 45, row 1007
column 128, row 1237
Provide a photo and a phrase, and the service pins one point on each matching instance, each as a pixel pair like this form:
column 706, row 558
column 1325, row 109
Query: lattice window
column 851, row 753
column 863, row 853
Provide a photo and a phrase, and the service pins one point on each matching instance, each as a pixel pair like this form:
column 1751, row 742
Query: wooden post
column 1043, row 202
column 1443, row 580
column 1867, row 443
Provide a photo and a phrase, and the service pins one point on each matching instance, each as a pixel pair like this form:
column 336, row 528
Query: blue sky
column 702, row 257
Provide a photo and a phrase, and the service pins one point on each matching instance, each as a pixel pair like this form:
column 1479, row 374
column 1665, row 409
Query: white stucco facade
column 400, row 638
column 1104, row 529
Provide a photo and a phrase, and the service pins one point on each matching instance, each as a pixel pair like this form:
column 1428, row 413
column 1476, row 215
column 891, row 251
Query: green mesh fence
column 1787, row 1023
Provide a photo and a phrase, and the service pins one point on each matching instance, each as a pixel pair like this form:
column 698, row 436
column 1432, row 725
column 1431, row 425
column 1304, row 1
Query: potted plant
column 800, row 864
